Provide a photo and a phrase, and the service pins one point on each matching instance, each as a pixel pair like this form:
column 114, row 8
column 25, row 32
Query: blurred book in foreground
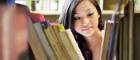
column 13, row 33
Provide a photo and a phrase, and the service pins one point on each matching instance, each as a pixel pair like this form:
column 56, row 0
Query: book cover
column 106, row 40
column 63, row 43
column 74, row 44
column 35, row 44
column 55, row 44
column 44, row 41
column 68, row 47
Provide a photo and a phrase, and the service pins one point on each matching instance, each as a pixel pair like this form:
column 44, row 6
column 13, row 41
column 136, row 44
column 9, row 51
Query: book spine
column 44, row 41
column 75, row 45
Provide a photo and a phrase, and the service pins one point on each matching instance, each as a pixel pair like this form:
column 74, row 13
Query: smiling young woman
column 83, row 17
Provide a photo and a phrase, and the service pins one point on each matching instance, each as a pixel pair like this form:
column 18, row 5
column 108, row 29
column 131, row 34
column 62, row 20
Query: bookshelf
column 46, row 7
column 52, row 14
column 111, row 5
column 50, row 8
column 107, row 7
column 49, row 13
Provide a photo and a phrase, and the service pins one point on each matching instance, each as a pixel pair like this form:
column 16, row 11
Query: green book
column 44, row 41
column 35, row 44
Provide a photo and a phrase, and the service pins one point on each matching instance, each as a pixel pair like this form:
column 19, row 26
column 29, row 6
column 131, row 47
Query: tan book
column 68, row 45
column 44, row 41
column 105, row 45
column 56, row 45
column 74, row 44
column 35, row 44
column 63, row 43
column 61, row 40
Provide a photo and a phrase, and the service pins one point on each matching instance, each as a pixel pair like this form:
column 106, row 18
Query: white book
column 74, row 43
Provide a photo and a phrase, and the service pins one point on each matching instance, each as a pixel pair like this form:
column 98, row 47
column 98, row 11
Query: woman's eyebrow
column 76, row 13
column 88, row 9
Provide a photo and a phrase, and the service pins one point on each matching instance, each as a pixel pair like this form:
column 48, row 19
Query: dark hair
column 66, row 19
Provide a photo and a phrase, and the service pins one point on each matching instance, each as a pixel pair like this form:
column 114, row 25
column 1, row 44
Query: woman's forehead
column 84, row 6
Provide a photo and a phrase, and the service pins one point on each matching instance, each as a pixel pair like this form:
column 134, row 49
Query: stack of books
column 53, row 43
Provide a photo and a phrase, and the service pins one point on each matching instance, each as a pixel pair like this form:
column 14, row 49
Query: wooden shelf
column 137, row 11
column 47, row 13
column 107, row 12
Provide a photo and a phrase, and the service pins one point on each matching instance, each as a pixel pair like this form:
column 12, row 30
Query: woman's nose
column 86, row 21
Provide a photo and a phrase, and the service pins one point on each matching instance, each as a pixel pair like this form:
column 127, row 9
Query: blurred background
column 14, row 25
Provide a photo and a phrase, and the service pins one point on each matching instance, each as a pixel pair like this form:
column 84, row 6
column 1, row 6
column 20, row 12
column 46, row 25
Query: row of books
column 47, row 6
column 53, row 43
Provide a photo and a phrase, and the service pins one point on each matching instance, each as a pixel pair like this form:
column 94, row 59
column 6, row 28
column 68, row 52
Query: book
column 13, row 34
column 67, row 42
column 46, row 6
column 35, row 44
column 37, row 17
column 74, row 44
column 5, row 33
column 106, row 41
column 55, row 44
column 44, row 41
column 62, row 44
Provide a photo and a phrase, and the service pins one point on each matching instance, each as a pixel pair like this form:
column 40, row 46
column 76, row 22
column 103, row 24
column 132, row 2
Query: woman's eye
column 77, row 18
column 90, row 14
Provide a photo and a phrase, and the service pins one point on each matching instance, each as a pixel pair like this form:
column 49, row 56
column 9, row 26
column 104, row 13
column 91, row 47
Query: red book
column 36, row 17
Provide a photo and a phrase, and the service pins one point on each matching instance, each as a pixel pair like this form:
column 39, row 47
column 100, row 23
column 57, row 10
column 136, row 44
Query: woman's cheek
column 77, row 28
column 94, row 22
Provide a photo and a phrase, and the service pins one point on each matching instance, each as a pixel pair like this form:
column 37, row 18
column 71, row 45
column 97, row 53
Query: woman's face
column 86, row 18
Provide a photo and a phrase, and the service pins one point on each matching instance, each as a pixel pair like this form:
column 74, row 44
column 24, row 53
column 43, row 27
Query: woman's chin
column 88, row 33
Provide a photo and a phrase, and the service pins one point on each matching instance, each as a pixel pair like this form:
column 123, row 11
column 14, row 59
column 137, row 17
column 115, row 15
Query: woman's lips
column 85, row 29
